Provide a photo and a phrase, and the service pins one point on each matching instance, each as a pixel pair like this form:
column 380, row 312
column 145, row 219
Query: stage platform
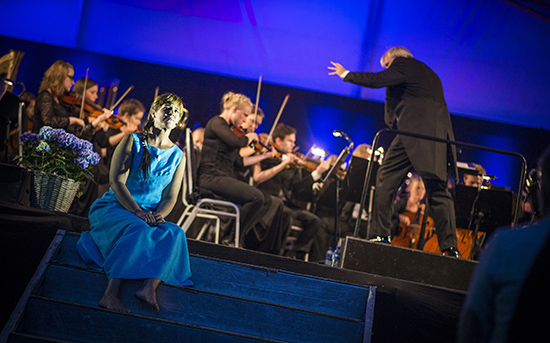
column 418, row 297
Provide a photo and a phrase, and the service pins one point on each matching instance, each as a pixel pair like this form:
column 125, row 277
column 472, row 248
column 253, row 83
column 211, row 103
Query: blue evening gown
column 125, row 246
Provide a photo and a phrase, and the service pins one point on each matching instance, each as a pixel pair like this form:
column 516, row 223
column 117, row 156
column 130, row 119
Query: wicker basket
column 51, row 192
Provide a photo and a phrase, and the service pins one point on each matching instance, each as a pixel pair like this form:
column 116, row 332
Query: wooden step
column 66, row 321
column 203, row 308
column 258, row 283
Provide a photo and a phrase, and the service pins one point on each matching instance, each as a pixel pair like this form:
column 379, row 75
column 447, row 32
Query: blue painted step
column 231, row 302
column 258, row 283
column 65, row 321
column 207, row 309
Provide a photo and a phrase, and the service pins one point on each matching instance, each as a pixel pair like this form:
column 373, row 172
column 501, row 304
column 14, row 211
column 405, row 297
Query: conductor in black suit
column 415, row 102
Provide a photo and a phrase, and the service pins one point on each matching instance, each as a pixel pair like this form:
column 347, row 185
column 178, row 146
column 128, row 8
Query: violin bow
column 84, row 93
column 156, row 92
column 257, row 101
column 121, row 98
column 277, row 119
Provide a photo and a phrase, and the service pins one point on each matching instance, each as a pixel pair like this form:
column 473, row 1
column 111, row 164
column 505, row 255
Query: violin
column 258, row 146
column 90, row 109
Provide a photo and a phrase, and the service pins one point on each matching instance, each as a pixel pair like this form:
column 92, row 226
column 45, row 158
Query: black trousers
column 309, row 222
column 390, row 176
column 254, row 203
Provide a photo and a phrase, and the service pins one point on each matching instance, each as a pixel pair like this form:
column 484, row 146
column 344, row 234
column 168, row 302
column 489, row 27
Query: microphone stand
column 332, row 173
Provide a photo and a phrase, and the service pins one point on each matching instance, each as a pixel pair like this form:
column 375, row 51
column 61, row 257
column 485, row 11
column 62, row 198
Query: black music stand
column 355, row 178
column 483, row 209
column 9, row 118
column 327, row 187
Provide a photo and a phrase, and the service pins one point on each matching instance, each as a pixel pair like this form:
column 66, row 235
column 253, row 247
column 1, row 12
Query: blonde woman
column 220, row 158
column 48, row 110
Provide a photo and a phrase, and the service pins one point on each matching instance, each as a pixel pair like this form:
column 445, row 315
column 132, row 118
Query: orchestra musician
column 94, row 122
column 130, row 113
column 198, row 137
column 475, row 180
column 276, row 222
column 412, row 203
column 220, row 158
column 294, row 187
column 93, row 118
column 415, row 103
column 49, row 110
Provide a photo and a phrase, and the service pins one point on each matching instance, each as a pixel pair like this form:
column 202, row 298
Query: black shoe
column 452, row 252
column 381, row 239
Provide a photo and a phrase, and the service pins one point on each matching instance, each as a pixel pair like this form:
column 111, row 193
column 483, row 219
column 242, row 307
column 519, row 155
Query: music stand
column 488, row 208
column 355, row 178
column 332, row 173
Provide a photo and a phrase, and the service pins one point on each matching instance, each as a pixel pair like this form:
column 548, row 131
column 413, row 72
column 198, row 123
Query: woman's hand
column 252, row 137
column 404, row 220
column 151, row 218
column 78, row 121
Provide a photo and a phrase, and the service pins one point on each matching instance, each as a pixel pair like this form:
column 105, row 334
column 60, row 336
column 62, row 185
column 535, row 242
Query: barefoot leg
column 110, row 298
column 148, row 293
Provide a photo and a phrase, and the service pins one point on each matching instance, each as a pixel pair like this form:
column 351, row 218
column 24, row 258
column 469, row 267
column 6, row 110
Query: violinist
column 295, row 187
column 277, row 231
column 220, row 158
column 49, row 110
column 130, row 112
column 93, row 117
column 198, row 137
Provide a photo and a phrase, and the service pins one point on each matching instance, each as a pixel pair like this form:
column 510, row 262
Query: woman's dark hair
column 145, row 164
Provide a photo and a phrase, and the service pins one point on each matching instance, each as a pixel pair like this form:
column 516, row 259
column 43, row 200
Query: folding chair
column 205, row 207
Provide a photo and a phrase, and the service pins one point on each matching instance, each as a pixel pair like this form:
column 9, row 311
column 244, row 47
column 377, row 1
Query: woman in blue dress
column 129, row 238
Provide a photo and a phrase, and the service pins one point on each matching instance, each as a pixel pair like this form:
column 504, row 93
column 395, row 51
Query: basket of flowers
column 60, row 164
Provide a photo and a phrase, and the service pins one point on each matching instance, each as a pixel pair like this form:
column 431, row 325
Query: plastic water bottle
column 336, row 258
column 328, row 257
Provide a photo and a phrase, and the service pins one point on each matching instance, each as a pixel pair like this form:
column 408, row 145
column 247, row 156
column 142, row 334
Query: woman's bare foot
column 113, row 303
column 148, row 293
column 110, row 298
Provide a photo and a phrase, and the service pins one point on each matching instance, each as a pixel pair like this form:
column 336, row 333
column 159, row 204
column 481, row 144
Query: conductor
column 415, row 102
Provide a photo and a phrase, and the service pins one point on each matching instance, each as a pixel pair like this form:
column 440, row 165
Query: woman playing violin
column 130, row 112
column 93, row 116
column 220, row 158
column 57, row 80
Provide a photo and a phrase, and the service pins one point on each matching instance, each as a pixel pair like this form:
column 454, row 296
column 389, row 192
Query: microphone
column 337, row 133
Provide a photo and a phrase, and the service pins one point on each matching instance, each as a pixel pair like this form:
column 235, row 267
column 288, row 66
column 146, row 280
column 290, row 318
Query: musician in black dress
column 220, row 159
column 415, row 102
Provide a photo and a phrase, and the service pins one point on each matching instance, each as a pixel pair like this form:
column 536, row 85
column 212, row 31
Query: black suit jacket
column 415, row 102
column 294, row 184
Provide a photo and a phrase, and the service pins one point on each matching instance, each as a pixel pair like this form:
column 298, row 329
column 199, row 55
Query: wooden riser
column 230, row 302
column 203, row 308
column 67, row 322
column 257, row 283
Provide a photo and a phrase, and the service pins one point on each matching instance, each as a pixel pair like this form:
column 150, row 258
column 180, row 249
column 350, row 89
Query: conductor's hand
column 338, row 69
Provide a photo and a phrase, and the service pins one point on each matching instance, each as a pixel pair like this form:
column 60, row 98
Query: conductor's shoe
column 452, row 252
column 381, row 239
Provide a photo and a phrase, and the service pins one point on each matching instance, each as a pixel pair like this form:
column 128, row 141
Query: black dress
column 219, row 160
